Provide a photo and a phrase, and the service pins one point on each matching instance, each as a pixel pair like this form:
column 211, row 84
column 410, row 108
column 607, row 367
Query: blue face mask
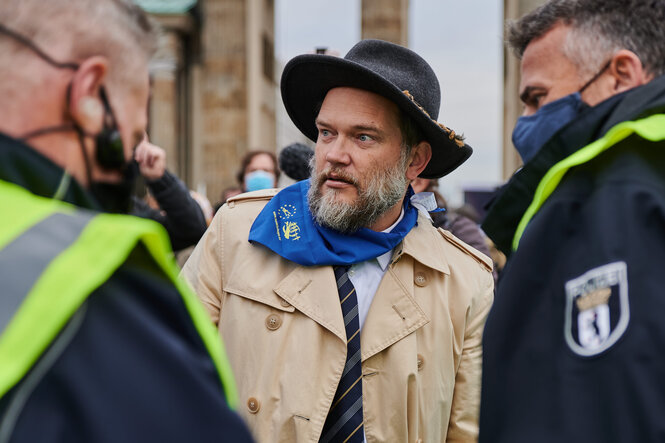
column 256, row 180
column 531, row 132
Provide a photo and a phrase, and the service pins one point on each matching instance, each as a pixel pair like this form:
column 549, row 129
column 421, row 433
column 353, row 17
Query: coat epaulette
column 261, row 195
column 470, row 250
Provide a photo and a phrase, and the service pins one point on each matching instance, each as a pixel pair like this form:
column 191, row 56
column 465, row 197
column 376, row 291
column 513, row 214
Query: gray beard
column 385, row 188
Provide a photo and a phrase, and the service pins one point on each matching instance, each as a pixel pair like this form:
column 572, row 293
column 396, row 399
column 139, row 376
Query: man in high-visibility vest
column 99, row 340
column 573, row 346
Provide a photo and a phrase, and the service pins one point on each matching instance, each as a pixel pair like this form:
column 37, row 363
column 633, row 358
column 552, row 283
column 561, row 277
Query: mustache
column 337, row 174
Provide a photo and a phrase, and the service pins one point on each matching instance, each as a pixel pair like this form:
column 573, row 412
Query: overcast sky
column 461, row 39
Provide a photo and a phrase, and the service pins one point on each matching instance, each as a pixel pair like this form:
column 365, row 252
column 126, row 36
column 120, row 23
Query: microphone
column 294, row 161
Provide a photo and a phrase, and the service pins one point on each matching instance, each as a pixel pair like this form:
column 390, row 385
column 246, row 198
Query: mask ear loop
column 108, row 115
column 595, row 77
column 110, row 150
column 65, row 127
column 80, row 134
column 27, row 42
column 86, row 158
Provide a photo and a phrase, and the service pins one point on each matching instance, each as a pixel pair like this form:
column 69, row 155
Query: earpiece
column 110, row 150
column 91, row 108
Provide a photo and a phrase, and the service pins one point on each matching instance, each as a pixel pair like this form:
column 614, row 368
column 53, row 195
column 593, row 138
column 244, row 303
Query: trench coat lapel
column 393, row 315
column 394, row 312
column 312, row 290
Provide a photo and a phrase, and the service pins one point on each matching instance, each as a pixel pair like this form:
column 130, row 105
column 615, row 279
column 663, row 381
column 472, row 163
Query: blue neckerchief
column 286, row 226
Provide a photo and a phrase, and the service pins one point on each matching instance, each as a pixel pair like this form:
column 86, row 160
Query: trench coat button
column 273, row 321
column 253, row 405
column 420, row 362
column 420, row 279
column 284, row 303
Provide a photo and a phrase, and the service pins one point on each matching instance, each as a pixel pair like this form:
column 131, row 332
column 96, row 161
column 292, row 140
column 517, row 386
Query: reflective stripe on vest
column 71, row 270
column 24, row 259
column 650, row 128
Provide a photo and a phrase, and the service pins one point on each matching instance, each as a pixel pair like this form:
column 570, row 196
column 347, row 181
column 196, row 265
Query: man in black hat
column 347, row 316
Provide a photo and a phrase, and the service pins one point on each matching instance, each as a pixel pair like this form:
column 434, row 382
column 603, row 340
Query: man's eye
column 365, row 138
column 324, row 132
column 535, row 100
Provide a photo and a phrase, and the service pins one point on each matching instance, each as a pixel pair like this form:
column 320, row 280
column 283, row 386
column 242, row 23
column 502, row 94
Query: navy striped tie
column 344, row 423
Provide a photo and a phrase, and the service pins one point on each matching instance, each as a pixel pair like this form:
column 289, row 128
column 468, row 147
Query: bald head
column 73, row 30
column 68, row 70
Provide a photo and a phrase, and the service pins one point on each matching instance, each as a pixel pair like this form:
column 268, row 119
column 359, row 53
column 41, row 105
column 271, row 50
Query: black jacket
column 135, row 368
column 180, row 214
column 573, row 346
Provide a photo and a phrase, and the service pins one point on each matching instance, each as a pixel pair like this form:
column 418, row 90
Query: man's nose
column 339, row 151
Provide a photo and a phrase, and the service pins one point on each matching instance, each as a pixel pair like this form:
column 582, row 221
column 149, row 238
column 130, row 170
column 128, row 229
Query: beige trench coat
column 284, row 333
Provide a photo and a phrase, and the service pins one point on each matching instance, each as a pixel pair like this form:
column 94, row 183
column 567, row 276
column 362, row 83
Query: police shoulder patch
column 597, row 311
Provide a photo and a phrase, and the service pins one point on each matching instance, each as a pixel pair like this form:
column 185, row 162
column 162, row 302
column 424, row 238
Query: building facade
column 213, row 87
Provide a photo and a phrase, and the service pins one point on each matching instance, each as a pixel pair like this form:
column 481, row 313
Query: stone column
column 386, row 20
column 234, row 98
column 163, row 103
column 222, row 92
column 261, row 127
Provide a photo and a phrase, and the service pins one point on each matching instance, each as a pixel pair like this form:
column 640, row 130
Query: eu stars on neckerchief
column 286, row 226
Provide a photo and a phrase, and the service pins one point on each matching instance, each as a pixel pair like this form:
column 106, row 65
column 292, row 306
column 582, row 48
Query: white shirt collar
column 384, row 259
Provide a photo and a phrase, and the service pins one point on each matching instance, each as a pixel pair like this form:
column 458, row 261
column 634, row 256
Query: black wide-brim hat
column 390, row 70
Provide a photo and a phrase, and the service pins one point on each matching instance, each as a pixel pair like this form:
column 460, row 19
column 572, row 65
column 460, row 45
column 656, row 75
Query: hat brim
column 307, row 79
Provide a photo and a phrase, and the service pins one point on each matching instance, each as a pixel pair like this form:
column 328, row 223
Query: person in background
column 227, row 193
column 459, row 225
column 177, row 211
column 346, row 314
column 183, row 255
column 574, row 343
column 294, row 161
column 258, row 170
column 204, row 204
column 99, row 339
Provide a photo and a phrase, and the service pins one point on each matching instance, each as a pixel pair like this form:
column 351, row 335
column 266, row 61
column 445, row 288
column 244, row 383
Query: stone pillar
column 512, row 106
column 169, row 125
column 222, row 95
column 261, row 127
column 234, row 97
column 386, row 20
column 163, row 103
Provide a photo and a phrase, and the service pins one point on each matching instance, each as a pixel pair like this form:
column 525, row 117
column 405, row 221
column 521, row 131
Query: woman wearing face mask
column 258, row 170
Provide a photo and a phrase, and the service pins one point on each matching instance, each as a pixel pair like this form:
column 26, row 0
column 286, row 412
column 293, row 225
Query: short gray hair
column 599, row 28
column 117, row 29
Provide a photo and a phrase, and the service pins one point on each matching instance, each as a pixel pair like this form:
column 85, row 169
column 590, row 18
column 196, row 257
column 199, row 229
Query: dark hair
column 247, row 159
column 411, row 132
column 606, row 26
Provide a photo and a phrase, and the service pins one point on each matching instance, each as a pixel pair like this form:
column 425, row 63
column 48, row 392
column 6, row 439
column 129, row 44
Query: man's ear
column 627, row 71
column 85, row 105
column 420, row 157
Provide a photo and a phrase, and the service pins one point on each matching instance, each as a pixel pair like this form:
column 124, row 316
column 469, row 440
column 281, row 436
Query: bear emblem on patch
column 597, row 310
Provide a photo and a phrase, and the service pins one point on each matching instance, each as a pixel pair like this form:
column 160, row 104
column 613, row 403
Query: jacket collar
column 512, row 201
column 424, row 245
column 395, row 314
column 22, row 165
